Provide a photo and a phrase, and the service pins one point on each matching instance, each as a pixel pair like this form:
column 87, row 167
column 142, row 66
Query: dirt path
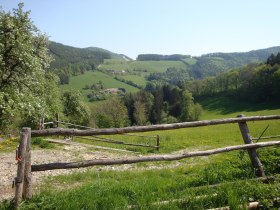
column 69, row 153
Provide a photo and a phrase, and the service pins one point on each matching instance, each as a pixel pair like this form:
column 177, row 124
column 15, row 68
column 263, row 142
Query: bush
column 41, row 143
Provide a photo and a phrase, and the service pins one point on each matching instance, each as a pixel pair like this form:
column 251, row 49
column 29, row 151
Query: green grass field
column 141, row 66
column 136, row 71
column 193, row 183
column 137, row 79
column 91, row 77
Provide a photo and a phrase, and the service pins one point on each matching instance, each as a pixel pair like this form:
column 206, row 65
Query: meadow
column 195, row 183
column 144, row 67
column 90, row 77
column 136, row 71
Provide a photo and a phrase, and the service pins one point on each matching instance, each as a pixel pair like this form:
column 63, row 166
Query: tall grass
column 183, row 187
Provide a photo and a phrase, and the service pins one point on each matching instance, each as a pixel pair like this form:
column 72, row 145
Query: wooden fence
column 23, row 155
column 101, row 139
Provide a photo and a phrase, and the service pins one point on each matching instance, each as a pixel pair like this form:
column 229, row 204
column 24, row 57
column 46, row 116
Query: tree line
column 158, row 57
column 165, row 104
column 253, row 82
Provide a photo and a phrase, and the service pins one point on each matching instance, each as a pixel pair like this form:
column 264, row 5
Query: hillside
column 154, row 68
column 78, row 59
column 215, row 63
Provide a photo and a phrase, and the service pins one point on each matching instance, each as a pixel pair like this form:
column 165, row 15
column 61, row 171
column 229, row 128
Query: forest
column 253, row 82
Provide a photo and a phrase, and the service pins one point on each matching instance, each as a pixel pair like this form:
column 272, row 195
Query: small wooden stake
column 21, row 166
column 158, row 142
column 57, row 120
column 259, row 171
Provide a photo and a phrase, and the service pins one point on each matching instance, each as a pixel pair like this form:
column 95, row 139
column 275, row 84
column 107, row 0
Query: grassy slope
column 137, row 70
column 149, row 66
column 219, row 107
column 90, row 77
column 187, row 180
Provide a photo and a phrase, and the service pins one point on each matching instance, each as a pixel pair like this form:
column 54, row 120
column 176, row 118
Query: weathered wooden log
column 257, row 165
column 107, row 131
column 21, row 166
column 75, row 125
column 158, row 142
column 48, row 123
column 138, row 135
column 86, row 145
column 87, row 163
column 106, row 140
column 27, row 185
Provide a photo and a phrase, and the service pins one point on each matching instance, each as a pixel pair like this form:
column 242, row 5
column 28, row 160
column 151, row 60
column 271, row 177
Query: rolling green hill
column 88, row 58
column 215, row 63
column 138, row 71
column 90, row 77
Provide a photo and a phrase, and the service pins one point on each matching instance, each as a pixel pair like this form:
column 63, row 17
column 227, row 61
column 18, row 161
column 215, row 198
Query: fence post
column 27, row 185
column 57, row 119
column 258, row 167
column 19, row 180
column 158, row 142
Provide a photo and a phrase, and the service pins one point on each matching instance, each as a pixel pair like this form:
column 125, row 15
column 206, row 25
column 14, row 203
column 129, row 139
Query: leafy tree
column 272, row 60
column 112, row 113
column 24, row 61
column 74, row 109
column 190, row 110
column 140, row 113
column 134, row 102
column 158, row 106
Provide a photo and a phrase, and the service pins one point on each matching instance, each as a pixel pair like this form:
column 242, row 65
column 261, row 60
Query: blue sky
column 134, row 27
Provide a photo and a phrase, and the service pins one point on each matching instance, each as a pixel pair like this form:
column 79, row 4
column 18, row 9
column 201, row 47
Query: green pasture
column 137, row 70
column 190, row 61
column 141, row 66
column 91, row 77
column 207, row 137
column 137, row 79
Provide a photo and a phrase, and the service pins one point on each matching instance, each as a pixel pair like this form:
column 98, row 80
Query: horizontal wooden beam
column 71, row 124
column 112, row 141
column 87, row 163
column 133, row 129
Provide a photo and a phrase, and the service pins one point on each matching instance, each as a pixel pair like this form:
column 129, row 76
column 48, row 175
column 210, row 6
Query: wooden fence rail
column 24, row 182
column 108, row 131
column 87, row 163
column 95, row 138
column 101, row 139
